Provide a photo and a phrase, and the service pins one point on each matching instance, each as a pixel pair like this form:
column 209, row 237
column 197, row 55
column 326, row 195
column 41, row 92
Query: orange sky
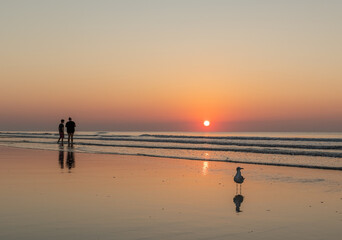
column 171, row 65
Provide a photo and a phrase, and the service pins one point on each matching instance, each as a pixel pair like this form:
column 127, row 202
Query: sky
column 149, row 65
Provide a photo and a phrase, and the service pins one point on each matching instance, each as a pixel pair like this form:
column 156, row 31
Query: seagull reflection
column 238, row 199
column 70, row 162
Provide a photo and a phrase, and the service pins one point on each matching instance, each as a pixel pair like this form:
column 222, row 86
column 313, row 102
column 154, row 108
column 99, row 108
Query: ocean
column 309, row 150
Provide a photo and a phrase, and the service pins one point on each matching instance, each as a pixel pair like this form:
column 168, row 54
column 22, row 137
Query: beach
column 171, row 120
column 72, row 195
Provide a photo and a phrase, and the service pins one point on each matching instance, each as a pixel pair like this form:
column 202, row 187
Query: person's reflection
column 70, row 162
column 61, row 159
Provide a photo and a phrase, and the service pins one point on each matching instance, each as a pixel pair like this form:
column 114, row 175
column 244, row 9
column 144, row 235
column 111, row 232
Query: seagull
column 238, row 178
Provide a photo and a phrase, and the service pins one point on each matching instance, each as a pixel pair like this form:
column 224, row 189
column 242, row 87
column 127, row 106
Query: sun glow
column 206, row 123
column 205, row 168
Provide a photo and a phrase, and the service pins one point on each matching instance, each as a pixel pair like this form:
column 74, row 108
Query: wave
column 129, row 138
column 241, row 144
column 103, row 135
column 250, row 162
column 247, row 138
column 27, row 133
column 227, row 149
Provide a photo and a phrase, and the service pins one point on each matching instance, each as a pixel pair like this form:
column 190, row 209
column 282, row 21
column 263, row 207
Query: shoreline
column 192, row 159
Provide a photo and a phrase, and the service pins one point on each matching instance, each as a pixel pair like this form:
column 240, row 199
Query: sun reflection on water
column 205, row 168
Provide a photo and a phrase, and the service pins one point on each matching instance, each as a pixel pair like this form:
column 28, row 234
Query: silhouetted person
column 61, row 159
column 70, row 125
column 61, row 131
column 70, row 162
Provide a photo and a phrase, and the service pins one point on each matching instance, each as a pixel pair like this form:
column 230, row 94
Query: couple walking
column 70, row 126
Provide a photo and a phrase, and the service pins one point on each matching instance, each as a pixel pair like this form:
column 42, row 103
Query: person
column 70, row 125
column 61, row 131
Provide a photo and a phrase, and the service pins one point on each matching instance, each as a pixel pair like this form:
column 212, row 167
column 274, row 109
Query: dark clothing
column 61, row 127
column 70, row 126
column 61, row 134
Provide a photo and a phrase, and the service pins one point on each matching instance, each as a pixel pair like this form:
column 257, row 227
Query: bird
column 238, row 178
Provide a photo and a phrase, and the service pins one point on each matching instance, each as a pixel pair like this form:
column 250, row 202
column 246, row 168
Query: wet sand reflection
column 61, row 158
column 70, row 160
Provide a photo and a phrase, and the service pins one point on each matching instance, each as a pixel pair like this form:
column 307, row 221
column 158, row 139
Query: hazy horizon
column 262, row 126
column 170, row 65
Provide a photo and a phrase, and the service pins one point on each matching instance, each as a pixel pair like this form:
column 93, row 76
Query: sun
column 206, row 123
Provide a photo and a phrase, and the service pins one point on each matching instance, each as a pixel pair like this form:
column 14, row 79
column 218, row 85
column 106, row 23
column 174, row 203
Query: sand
column 56, row 195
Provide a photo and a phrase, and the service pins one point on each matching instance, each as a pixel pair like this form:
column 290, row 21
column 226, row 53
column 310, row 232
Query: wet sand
column 61, row 195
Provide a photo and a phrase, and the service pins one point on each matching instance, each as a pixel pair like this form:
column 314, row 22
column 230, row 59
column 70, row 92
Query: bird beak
column 241, row 168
